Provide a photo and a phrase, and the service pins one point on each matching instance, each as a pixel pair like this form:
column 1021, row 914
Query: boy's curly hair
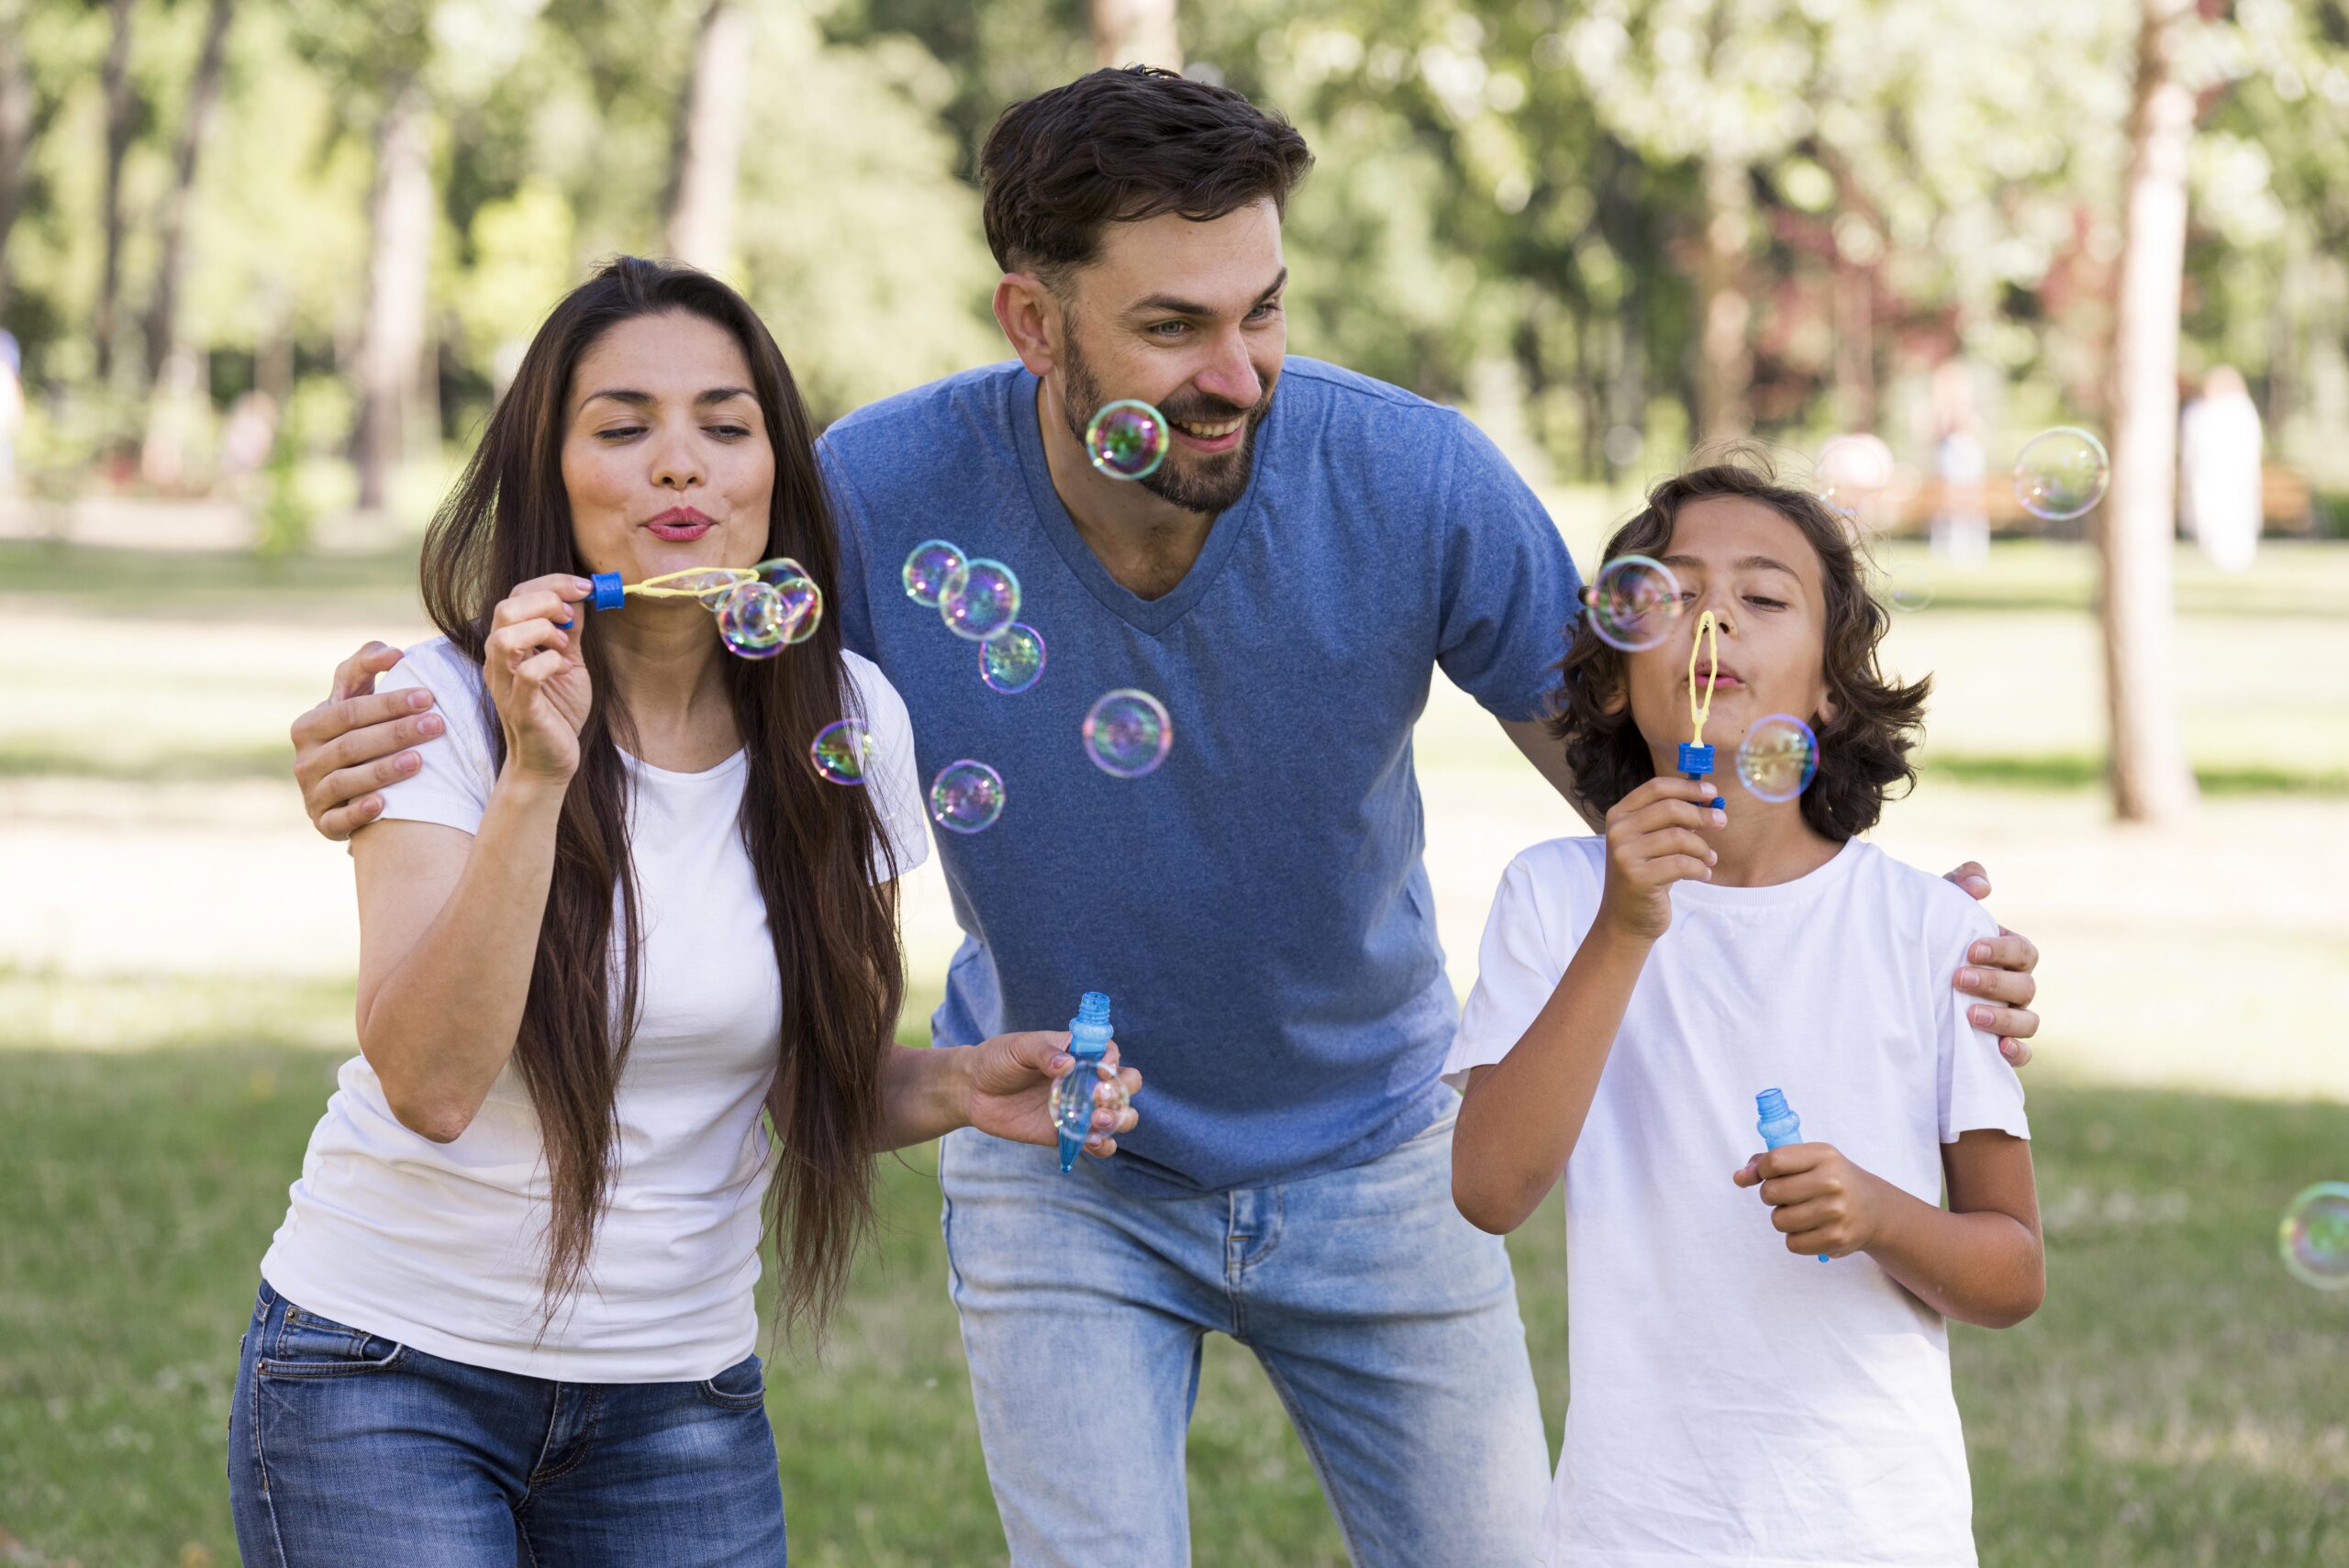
column 1863, row 752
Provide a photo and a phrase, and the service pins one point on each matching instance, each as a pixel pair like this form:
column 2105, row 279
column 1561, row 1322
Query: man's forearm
column 925, row 1095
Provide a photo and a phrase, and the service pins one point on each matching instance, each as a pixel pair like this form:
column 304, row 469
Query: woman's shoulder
column 868, row 690
column 438, row 665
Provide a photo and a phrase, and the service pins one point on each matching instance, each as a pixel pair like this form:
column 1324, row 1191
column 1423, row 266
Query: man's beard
column 1208, row 484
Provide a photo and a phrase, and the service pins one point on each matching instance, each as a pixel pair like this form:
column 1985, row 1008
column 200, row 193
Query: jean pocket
column 307, row 1345
column 742, row 1386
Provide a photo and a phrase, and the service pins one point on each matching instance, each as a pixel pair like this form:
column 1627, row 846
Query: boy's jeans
column 1388, row 1324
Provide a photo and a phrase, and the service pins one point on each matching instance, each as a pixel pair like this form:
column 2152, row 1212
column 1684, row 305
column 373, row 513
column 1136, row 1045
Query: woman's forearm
column 1986, row 1268
column 442, row 1026
column 1523, row 1115
column 925, row 1095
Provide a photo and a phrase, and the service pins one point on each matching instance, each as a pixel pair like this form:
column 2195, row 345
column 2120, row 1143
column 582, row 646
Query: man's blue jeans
column 348, row 1450
column 1388, row 1324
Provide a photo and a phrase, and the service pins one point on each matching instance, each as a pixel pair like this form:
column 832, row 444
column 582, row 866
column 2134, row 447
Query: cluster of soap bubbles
column 761, row 610
column 2314, row 1237
column 977, row 599
column 1126, row 439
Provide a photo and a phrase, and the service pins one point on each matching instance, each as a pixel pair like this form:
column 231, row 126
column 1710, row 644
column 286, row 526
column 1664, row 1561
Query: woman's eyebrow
column 635, row 400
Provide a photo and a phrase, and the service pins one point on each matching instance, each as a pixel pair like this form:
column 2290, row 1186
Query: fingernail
column 1980, row 1017
column 2009, row 1050
column 407, row 764
column 428, row 724
column 419, row 698
column 1720, row 817
column 581, row 585
column 1981, row 953
column 1968, row 977
column 1062, row 1060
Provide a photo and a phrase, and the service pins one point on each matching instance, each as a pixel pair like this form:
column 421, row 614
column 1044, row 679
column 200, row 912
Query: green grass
column 2179, row 1401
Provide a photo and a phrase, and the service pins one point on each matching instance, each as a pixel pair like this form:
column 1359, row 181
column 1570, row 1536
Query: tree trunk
column 1136, row 32
column 391, row 342
column 1724, row 349
column 2151, row 779
column 708, row 158
column 163, row 310
column 119, row 107
column 16, row 130
column 1854, row 310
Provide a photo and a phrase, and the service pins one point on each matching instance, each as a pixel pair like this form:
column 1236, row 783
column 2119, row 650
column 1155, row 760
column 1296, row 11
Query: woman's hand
column 1655, row 838
column 1009, row 1089
column 537, row 678
column 1819, row 1201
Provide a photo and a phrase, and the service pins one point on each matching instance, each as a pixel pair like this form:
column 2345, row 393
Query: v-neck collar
column 1151, row 616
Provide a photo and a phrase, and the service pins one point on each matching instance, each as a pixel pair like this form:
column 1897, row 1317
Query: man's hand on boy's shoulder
column 356, row 741
column 1998, row 973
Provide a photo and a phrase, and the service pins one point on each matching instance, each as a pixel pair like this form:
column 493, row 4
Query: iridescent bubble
column 1853, row 472
column 967, row 796
column 1128, row 439
column 984, row 603
column 2061, row 473
column 930, row 570
column 1778, row 757
column 783, row 569
column 753, row 621
column 2314, row 1238
column 1633, row 602
column 843, row 752
column 1908, row 585
column 1014, row 660
column 1128, row 733
column 803, row 602
column 1078, row 1096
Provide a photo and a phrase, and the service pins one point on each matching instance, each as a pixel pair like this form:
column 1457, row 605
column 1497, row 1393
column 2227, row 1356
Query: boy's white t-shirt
column 441, row 1245
column 1732, row 1402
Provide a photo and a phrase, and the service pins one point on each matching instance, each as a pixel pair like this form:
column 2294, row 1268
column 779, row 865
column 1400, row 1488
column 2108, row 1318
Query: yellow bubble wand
column 761, row 608
column 1696, row 756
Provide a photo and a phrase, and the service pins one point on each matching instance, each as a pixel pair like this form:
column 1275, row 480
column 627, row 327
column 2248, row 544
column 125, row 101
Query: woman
column 509, row 1315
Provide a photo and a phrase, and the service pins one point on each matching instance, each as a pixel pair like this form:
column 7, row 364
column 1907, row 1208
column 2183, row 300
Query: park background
column 270, row 261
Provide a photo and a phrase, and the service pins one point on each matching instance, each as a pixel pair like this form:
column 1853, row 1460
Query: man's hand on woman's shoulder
column 356, row 741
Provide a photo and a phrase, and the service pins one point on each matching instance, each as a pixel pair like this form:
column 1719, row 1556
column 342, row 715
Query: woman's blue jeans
column 348, row 1450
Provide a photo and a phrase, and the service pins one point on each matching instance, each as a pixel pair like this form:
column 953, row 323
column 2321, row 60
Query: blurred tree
column 708, row 157
column 20, row 120
column 2151, row 779
column 121, row 111
column 163, row 310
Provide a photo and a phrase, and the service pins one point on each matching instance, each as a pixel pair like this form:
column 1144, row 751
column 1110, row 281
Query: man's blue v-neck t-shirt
column 1256, row 908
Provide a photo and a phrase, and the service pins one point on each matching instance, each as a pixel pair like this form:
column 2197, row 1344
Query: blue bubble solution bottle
column 1778, row 1125
column 1074, row 1097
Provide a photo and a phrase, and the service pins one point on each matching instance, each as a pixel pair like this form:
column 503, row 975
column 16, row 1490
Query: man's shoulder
column 981, row 394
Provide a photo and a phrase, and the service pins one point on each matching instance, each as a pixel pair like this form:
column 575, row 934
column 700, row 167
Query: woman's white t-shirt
column 441, row 1245
column 1732, row 1402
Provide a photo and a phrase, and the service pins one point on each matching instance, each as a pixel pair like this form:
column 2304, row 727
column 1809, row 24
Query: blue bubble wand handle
column 1073, row 1096
column 1778, row 1125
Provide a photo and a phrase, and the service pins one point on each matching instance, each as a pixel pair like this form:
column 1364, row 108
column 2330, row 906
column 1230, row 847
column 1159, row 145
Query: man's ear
column 1030, row 319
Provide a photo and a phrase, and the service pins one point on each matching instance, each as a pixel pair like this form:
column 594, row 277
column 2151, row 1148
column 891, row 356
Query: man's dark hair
column 1119, row 146
column 1862, row 751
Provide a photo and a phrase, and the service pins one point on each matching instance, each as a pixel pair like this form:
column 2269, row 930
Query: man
column 1286, row 583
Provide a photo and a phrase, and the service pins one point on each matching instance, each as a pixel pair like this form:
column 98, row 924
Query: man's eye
column 1170, row 329
column 1270, row 308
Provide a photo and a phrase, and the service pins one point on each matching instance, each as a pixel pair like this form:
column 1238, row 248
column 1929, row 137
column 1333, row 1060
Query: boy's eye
column 1767, row 603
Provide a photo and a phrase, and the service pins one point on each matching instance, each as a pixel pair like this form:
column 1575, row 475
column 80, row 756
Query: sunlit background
column 266, row 264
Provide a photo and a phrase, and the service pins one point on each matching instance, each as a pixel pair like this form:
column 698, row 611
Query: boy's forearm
column 1523, row 1115
column 1984, row 1268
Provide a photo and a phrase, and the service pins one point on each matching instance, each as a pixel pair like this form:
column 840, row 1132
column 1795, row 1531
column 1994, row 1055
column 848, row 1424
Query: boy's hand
column 1819, row 1200
column 1655, row 838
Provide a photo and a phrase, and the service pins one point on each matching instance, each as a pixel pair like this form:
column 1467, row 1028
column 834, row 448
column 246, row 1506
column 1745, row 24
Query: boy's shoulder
column 1945, row 914
column 1558, row 880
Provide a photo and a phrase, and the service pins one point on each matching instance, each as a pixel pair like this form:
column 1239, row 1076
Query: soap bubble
column 931, row 570
column 1128, row 439
column 1633, row 602
column 982, row 602
column 1853, row 472
column 753, row 621
column 1079, row 1093
column 1778, row 757
column 967, row 796
column 1014, row 660
column 2314, row 1239
column 1128, row 733
column 2061, row 473
column 803, row 602
column 843, row 752
column 1908, row 585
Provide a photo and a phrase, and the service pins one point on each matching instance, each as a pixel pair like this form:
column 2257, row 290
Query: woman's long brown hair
column 815, row 847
